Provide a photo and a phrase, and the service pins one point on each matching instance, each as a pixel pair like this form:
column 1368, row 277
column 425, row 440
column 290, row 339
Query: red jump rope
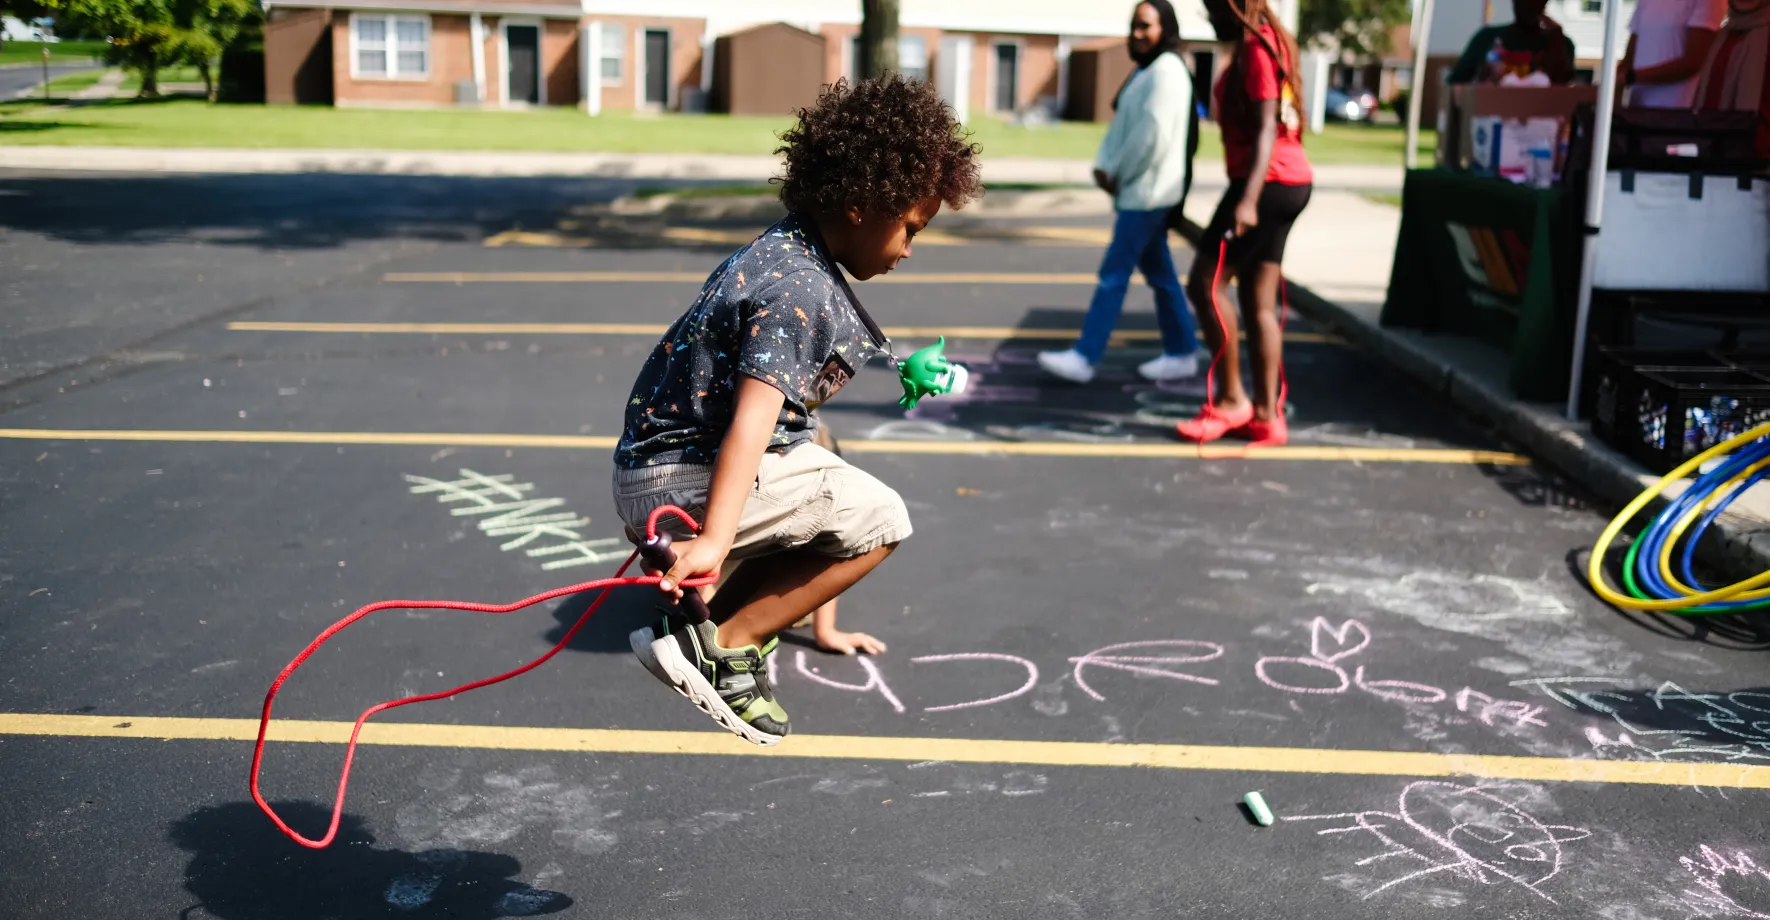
column 1284, row 311
column 656, row 551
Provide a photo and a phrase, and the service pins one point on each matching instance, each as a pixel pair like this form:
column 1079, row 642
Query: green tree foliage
column 1359, row 28
column 146, row 35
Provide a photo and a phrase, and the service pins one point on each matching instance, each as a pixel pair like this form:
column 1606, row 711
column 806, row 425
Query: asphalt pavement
column 15, row 80
column 234, row 409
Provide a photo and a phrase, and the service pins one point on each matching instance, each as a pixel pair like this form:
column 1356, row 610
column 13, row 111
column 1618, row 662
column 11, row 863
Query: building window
column 614, row 54
column 1007, row 74
column 1594, row 6
column 391, row 46
column 912, row 58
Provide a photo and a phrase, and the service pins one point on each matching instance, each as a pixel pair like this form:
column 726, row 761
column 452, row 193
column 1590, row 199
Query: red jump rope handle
column 656, row 551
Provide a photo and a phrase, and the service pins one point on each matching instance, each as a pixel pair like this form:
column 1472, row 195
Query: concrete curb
column 1738, row 545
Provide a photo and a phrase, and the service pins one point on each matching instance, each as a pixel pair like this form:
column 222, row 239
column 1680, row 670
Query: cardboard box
column 1507, row 104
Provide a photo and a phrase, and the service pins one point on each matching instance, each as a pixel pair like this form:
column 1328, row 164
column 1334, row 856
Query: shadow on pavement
column 1741, row 632
column 299, row 211
column 627, row 609
column 1668, row 723
column 1338, row 396
column 243, row 868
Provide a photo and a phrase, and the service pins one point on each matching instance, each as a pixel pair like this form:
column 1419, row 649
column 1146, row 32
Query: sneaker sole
column 663, row 658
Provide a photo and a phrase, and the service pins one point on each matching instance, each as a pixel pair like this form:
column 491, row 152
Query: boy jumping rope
column 718, row 421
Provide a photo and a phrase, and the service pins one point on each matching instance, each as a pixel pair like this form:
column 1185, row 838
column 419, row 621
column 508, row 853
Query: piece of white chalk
column 1257, row 805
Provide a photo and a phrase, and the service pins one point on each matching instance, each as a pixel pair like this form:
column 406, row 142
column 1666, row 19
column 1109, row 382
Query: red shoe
column 1212, row 423
column 1272, row 432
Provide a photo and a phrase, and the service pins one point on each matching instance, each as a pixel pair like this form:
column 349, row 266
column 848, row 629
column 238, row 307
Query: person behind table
column 1259, row 107
column 1736, row 77
column 1142, row 164
column 717, row 421
column 1668, row 42
column 1530, row 43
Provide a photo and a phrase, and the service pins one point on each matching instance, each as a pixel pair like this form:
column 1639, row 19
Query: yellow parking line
column 896, row 332
column 1117, row 450
column 613, row 277
column 857, row 747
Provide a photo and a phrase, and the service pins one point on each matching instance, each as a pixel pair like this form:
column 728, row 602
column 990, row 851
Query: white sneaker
column 1068, row 364
column 1169, row 367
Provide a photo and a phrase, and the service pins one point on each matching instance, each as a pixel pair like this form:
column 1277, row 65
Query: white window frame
column 390, row 47
column 504, row 24
column 1019, row 45
column 613, row 36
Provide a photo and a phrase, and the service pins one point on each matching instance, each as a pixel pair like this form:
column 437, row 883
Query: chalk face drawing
column 1668, row 723
column 556, row 537
column 1727, row 885
column 1481, row 835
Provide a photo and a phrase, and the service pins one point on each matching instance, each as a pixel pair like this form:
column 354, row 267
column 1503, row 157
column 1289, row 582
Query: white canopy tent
column 1594, row 200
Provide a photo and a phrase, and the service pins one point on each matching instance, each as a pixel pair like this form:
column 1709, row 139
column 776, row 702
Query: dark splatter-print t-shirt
column 774, row 311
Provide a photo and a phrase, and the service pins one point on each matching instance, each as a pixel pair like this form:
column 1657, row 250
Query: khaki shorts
column 806, row 497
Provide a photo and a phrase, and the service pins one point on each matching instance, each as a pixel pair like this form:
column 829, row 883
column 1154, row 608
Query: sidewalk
column 1339, row 258
column 603, row 165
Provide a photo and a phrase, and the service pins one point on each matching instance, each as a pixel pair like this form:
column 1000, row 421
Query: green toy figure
column 927, row 372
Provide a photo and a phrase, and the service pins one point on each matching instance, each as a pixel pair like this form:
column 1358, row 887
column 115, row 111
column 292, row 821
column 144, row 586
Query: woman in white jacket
column 1142, row 164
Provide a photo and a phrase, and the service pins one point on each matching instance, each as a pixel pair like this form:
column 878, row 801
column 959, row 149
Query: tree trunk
column 878, row 37
column 150, row 76
column 208, row 80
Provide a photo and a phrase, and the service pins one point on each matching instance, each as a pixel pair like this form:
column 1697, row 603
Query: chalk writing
column 510, row 513
column 1322, row 673
column 1727, row 886
column 1032, row 677
column 1480, row 834
column 1141, row 664
column 1668, row 722
column 875, row 681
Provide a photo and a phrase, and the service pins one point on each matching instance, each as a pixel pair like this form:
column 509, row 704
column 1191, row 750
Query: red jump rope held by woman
column 1259, row 104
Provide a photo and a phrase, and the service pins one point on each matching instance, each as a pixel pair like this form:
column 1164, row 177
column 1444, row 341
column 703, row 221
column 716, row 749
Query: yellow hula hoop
column 1595, row 565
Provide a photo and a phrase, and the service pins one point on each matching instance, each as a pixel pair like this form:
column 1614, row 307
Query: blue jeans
column 1139, row 241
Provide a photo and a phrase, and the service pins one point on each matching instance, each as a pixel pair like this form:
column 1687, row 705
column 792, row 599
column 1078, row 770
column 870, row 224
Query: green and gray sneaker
column 731, row 685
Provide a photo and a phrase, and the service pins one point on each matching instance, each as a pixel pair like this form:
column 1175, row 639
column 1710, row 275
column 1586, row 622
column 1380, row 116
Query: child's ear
column 855, row 217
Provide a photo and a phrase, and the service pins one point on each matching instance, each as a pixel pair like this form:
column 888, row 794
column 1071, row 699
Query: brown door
column 657, row 68
column 525, row 63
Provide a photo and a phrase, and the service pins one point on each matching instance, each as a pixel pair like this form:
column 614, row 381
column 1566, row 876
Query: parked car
column 1356, row 105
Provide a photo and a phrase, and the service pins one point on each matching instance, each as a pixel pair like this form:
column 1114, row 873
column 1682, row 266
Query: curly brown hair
column 880, row 146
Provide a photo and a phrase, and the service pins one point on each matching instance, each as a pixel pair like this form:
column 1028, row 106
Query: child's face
column 876, row 244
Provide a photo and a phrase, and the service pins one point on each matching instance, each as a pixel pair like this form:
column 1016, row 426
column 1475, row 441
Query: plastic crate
column 1613, row 369
column 1662, row 416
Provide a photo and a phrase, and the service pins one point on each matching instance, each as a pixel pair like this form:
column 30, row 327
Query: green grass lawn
column 62, row 52
column 69, row 84
column 181, row 74
column 192, row 123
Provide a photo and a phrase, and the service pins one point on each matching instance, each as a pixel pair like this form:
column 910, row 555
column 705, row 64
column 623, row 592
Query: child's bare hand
column 694, row 558
column 847, row 643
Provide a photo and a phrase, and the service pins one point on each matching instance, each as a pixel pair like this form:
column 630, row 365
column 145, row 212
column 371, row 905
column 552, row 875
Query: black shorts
column 1279, row 207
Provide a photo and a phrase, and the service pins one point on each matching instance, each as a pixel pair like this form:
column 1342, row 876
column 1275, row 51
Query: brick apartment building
column 745, row 56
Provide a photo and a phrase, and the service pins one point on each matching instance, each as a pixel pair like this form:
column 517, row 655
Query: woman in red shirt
column 1259, row 107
